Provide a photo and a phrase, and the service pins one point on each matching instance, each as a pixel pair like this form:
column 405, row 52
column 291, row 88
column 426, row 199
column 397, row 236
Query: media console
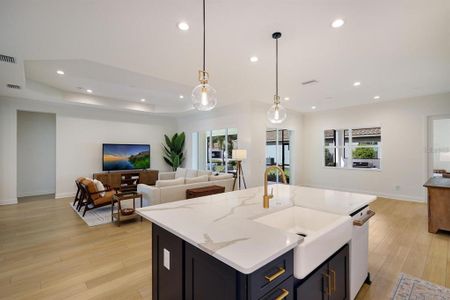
column 127, row 180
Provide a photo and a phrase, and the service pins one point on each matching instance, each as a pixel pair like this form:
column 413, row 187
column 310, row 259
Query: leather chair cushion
column 89, row 183
column 106, row 199
column 79, row 179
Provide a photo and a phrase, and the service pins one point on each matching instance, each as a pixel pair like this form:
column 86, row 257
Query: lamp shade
column 239, row 154
column 443, row 156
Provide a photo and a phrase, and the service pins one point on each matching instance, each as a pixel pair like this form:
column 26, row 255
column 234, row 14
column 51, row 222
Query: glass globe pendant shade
column 204, row 97
column 276, row 114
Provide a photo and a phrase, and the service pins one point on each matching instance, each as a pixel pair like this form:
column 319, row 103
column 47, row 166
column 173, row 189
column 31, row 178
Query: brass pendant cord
column 204, row 37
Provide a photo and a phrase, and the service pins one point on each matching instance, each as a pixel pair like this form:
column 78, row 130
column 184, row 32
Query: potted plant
column 173, row 150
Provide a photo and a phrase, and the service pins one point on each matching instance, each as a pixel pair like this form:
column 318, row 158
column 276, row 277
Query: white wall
column 8, row 153
column 251, row 123
column 404, row 143
column 80, row 132
column 36, row 153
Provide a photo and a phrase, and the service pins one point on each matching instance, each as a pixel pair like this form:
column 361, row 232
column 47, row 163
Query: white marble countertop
column 222, row 225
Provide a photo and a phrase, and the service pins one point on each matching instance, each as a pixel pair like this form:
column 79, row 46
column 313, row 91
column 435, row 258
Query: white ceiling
column 128, row 50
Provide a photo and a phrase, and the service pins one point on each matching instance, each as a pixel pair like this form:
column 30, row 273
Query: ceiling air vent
column 7, row 59
column 13, row 86
column 309, row 82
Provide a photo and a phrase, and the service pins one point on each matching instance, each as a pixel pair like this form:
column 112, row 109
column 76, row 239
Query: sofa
column 172, row 186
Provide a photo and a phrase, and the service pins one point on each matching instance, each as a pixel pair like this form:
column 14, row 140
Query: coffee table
column 118, row 216
column 204, row 191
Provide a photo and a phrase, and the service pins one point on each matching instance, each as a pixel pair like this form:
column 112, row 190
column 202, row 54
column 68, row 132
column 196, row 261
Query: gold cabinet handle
column 284, row 294
column 327, row 289
column 333, row 280
column 274, row 276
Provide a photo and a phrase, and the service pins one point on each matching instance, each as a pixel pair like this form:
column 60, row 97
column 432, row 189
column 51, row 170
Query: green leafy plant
column 173, row 150
column 364, row 153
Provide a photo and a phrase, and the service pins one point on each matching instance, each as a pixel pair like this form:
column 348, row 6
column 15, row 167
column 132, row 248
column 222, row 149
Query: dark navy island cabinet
column 182, row 271
column 330, row 281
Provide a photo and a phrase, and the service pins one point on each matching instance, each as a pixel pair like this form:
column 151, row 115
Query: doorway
column 439, row 146
column 36, row 154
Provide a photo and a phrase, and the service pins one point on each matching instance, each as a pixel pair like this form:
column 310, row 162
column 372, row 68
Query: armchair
column 93, row 198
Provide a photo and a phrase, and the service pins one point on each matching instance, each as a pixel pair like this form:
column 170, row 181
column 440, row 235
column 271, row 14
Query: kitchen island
column 222, row 246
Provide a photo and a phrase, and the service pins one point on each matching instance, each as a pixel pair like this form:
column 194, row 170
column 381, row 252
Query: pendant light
column 276, row 113
column 204, row 96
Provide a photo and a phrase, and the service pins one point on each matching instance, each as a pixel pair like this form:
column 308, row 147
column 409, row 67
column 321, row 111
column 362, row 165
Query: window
column 353, row 148
column 219, row 145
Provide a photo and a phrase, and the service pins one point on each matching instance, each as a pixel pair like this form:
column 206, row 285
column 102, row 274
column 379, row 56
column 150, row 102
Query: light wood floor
column 48, row 252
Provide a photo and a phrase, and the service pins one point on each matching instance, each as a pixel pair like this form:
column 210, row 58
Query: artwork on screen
column 125, row 157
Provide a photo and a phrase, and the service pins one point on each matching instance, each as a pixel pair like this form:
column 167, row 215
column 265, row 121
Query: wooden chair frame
column 88, row 201
column 79, row 196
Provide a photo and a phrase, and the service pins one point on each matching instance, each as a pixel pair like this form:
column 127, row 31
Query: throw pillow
column 191, row 173
column 220, row 177
column 180, row 173
column 169, row 182
column 203, row 178
column 100, row 187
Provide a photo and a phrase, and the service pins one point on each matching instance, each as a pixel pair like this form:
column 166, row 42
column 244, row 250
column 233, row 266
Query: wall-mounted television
column 125, row 157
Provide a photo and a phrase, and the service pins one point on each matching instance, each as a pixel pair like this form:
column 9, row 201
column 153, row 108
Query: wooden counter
column 438, row 204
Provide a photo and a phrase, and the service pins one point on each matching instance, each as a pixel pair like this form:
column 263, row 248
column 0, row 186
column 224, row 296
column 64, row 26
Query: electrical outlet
column 397, row 188
column 166, row 259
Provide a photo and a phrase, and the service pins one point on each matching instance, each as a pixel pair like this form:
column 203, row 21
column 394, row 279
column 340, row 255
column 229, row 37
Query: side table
column 118, row 216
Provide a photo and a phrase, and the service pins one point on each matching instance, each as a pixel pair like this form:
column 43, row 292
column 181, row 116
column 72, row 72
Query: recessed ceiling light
column 357, row 83
column 183, row 26
column 60, row 72
column 313, row 107
column 254, row 59
column 337, row 23
column 376, row 97
column 181, row 97
column 287, row 98
column 89, row 91
column 143, row 100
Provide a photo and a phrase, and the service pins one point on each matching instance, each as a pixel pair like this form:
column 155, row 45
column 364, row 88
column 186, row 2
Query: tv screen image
column 125, row 157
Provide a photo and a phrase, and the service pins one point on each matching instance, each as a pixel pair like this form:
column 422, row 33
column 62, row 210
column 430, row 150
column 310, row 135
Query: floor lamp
column 239, row 155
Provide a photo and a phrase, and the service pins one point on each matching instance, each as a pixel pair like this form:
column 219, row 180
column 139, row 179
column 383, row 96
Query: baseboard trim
column 8, row 201
column 36, row 193
column 383, row 195
column 64, row 195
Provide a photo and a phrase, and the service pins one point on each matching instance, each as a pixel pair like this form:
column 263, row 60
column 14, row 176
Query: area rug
column 412, row 288
column 101, row 215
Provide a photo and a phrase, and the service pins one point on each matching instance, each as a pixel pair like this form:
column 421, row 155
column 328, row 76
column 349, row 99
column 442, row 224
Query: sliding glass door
column 278, row 152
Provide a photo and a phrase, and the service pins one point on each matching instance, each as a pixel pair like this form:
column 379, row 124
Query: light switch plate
column 166, row 259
